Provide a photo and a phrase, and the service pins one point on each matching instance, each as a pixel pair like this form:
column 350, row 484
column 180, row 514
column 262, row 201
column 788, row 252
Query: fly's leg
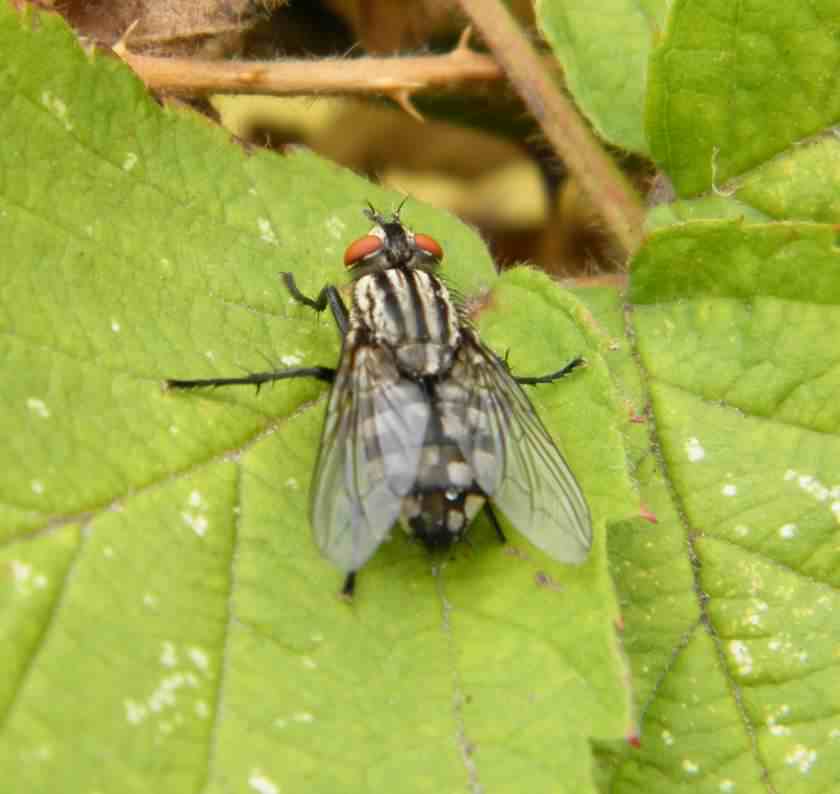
column 349, row 586
column 328, row 296
column 255, row 378
column 495, row 522
column 550, row 378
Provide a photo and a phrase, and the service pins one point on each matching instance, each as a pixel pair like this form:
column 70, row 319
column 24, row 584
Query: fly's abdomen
column 412, row 313
column 445, row 498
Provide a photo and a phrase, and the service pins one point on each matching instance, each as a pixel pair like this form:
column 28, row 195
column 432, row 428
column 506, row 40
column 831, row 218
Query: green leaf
column 170, row 624
column 604, row 49
column 801, row 184
column 730, row 602
column 733, row 84
column 703, row 208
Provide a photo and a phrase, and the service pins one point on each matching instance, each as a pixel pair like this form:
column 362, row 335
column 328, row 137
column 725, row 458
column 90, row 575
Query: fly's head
column 390, row 244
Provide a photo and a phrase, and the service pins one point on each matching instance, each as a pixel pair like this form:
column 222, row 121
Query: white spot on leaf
column 811, row 485
column 168, row 655
column 261, row 784
column 292, row 359
column 266, row 232
column 787, row 531
column 199, row 658
column 742, row 656
column 772, row 721
column 694, row 450
column 164, row 695
column 21, row 574
column 196, row 522
column 802, row 757
column 38, row 407
column 135, row 712
column 729, row 490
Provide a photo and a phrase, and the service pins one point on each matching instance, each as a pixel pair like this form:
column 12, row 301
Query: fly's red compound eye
column 429, row 245
column 364, row 246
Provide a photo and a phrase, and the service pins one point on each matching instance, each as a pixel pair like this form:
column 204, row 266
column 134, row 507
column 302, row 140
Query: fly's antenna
column 373, row 215
column 398, row 210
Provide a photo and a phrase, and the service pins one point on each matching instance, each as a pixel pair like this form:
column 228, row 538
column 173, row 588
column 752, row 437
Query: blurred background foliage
column 477, row 152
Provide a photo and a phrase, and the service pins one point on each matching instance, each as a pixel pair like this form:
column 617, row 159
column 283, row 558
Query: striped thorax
column 411, row 312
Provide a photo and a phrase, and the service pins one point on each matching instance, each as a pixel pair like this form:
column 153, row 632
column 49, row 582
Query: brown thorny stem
column 598, row 176
column 396, row 78
column 399, row 78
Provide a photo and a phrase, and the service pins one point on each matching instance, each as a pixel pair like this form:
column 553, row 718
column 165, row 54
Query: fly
column 425, row 425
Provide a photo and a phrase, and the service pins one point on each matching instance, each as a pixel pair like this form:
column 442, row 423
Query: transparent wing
column 370, row 450
column 514, row 460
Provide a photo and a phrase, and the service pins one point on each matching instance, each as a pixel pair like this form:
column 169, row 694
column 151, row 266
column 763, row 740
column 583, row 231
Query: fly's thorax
column 411, row 312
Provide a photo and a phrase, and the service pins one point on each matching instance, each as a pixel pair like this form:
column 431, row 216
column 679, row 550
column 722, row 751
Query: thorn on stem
column 403, row 98
column 464, row 40
column 121, row 47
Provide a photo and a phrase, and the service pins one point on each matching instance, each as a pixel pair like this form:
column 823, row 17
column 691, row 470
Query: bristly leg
column 349, row 586
column 328, row 296
column 495, row 522
column 561, row 373
column 255, row 378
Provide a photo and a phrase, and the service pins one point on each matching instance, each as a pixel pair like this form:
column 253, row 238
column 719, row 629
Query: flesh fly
column 425, row 425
